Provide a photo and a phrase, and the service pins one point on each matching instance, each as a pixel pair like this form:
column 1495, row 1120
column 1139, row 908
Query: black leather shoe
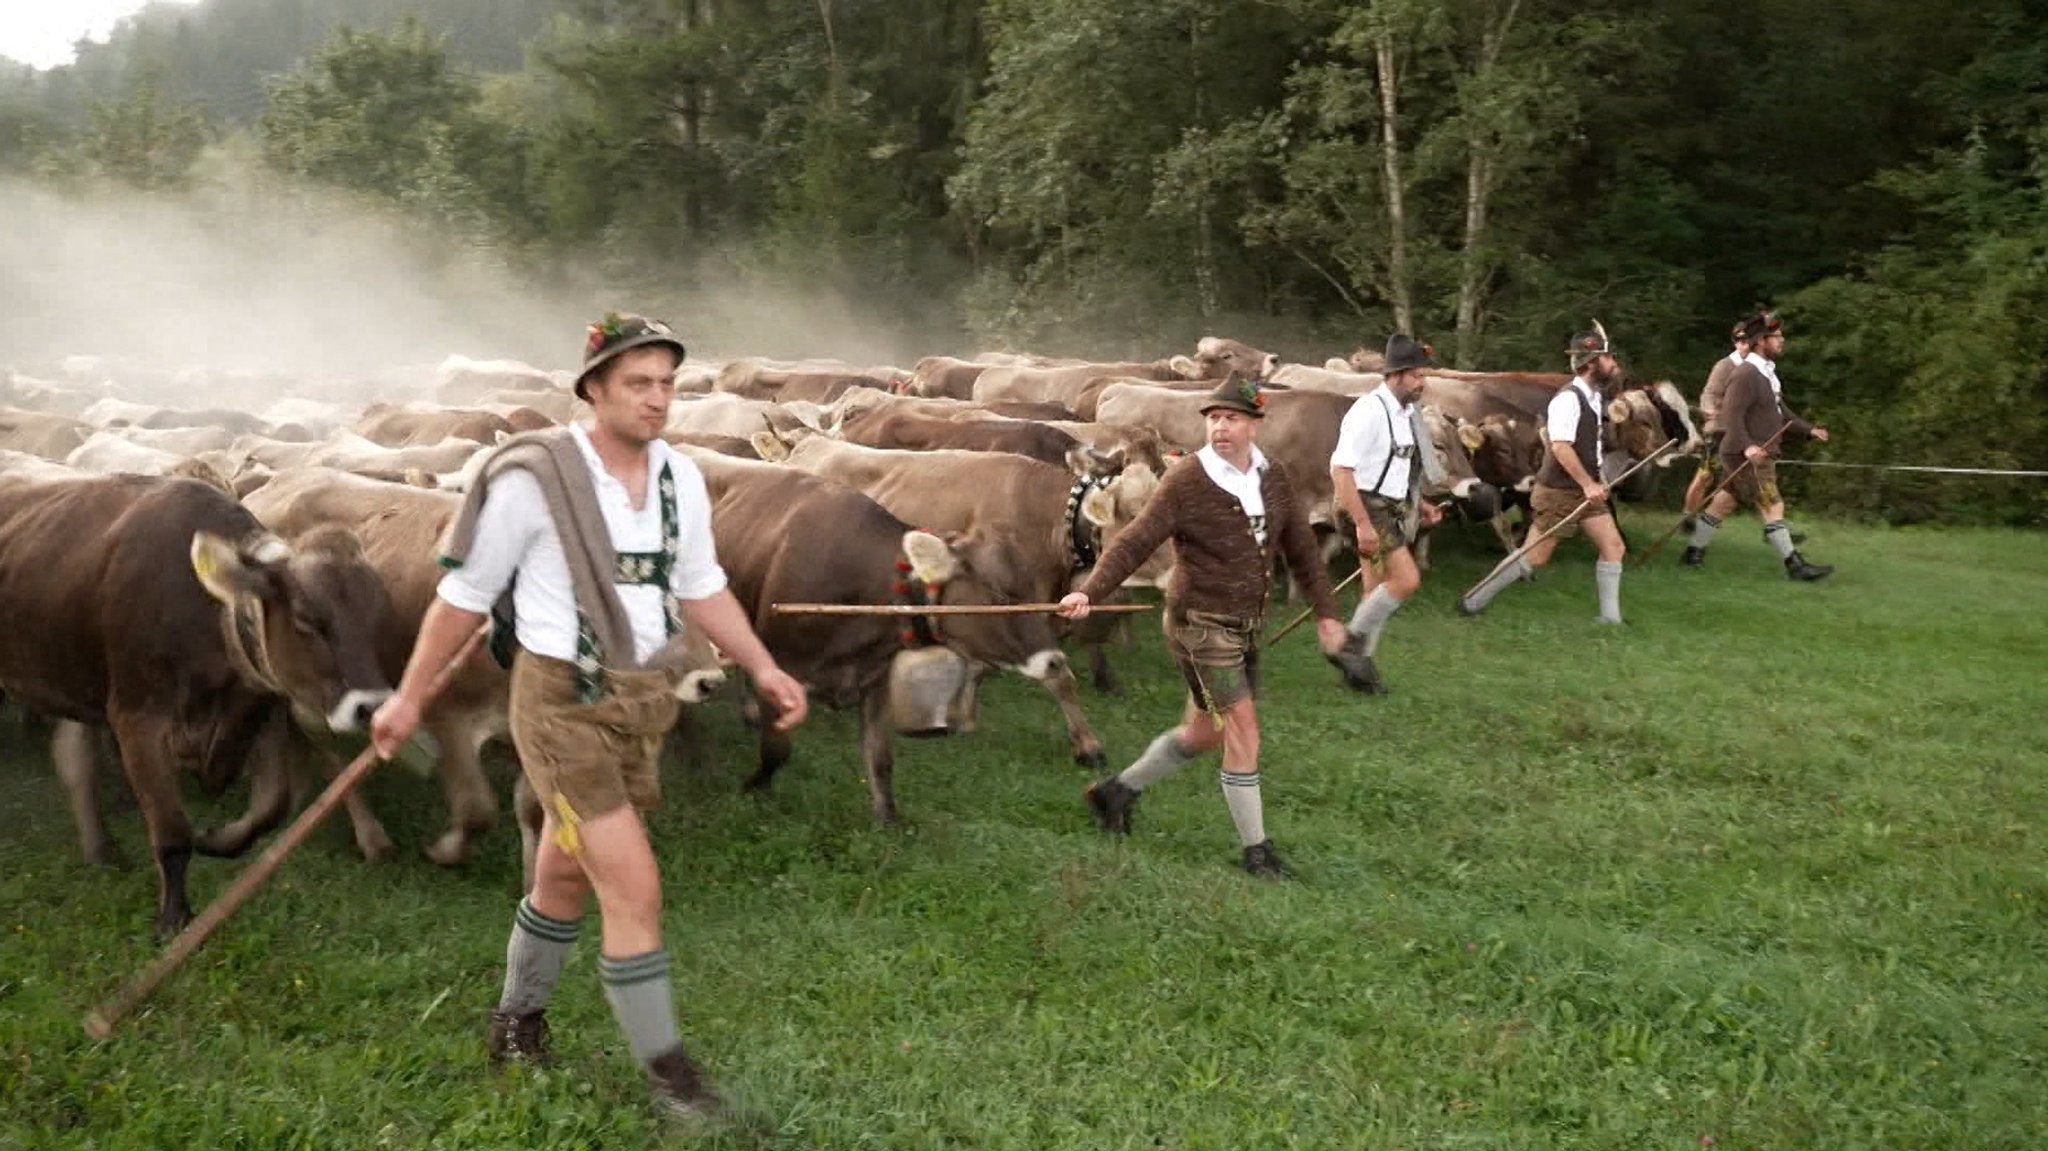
column 1797, row 568
column 679, row 1088
column 1693, row 557
column 518, row 1039
column 1360, row 673
column 1261, row 860
column 1112, row 801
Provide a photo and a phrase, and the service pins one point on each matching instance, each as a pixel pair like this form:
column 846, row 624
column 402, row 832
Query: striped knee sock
column 533, row 958
column 1247, row 810
column 637, row 987
column 1704, row 531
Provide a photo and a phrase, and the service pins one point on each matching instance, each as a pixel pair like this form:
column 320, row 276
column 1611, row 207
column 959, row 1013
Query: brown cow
column 786, row 536
column 1053, row 520
column 159, row 607
column 40, row 434
column 818, row 381
column 407, row 426
column 912, row 432
column 399, row 527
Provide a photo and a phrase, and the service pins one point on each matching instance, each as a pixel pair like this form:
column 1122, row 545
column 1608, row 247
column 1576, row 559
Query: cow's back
column 97, row 586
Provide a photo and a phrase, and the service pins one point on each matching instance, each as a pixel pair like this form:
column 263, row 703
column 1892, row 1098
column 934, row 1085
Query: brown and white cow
column 399, row 527
column 786, row 536
column 159, row 607
column 1052, row 521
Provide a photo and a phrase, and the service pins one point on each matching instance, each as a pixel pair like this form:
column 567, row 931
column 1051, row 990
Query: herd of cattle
column 199, row 582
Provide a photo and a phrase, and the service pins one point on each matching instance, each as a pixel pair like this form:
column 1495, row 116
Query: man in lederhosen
column 1228, row 510
column 602, row 532
column 1376, row 471
column 1752, row 412
column 1571, row 476
column 1710, row 413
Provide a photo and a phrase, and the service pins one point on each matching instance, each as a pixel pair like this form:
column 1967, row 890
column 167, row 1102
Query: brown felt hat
column 1239, row 396
column 606, row 339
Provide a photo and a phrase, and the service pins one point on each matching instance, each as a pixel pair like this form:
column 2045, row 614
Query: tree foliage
column 1107, row 178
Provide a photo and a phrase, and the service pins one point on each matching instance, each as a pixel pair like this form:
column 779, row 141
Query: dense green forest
column 1100, row 177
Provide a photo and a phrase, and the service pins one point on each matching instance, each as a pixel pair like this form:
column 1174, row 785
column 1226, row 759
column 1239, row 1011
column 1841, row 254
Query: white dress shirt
column 515, row 533
column 1244, row 485
column 1770, row 371
column 1562, row 420
column 1375, row 425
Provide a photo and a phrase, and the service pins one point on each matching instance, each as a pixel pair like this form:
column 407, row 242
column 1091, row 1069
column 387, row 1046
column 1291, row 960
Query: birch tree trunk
column 1475, row 269
column 1397, row 214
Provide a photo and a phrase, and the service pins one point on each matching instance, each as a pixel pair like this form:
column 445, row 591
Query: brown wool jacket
column 1750, row 414
column 1219, row 565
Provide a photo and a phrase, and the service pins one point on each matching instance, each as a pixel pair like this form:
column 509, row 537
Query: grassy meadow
column 1766, row 869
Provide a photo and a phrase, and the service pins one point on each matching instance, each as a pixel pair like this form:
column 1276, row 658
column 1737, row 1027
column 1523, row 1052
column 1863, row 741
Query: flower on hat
column 1251, row 393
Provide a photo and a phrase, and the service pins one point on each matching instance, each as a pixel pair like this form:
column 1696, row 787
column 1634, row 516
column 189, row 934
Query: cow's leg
column 774, row 753
column 1502, row 532
column 370, row 837
column 965, row 709
column 690, row 747
column 268, row 759
column 1100, row 674
column 71, row 749
column 878, row 754
column 1051, row 669
column 471, row 807
column 527, row 810
column 151, row 771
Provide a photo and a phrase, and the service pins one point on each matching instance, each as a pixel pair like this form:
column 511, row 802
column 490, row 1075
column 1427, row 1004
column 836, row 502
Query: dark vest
column 1586, row 444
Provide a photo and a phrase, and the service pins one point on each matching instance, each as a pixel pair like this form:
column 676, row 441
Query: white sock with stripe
column 1247, row 810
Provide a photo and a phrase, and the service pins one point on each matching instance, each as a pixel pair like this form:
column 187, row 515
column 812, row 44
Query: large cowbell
column 923, row 683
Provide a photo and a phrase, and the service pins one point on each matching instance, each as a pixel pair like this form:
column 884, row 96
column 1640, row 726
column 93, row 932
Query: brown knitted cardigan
column 1219, row 565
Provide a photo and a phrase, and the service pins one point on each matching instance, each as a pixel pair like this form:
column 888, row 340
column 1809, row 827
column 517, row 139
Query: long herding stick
column 940, row 609
column 1298, row 620
column 100, row 1022
column 1519, row 552
column 1660, row 541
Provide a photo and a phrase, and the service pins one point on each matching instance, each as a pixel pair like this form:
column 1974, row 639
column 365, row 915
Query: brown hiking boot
column 1112, row 800
column 519, row 1039
column 679, row 1088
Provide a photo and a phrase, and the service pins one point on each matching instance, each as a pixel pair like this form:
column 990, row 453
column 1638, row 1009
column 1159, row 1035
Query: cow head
column 1112, row 507
column 1363, row 359
column 1216, row 358
column 1636, row 425
column 1505, row 451
column 1451, row 443
column 303, row 618
column 980, row 568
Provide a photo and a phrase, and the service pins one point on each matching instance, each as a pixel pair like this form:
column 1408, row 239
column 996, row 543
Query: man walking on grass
column 593, row 527
column 1375, row 471
column 1752, row 411
column 1228, row 510
column 1567, row 479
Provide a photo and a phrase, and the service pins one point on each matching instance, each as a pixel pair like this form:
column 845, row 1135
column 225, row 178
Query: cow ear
column 769, row 446
column 1617, row 409
column 1185, row 368
column 1336, row 364
column 1098, row 507
column 1470, row 436
column 225, row 572
column 931, row 559
column 1208, row 346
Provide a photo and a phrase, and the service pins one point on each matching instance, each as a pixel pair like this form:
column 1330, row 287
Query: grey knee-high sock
column 637, row 987
column 1704, row 531
column 1247, row 810
column 1372, row 615
column 1779, row 535
column 1164, row 757
column 1608, row 577
column 1484, row 593
column 533, row 958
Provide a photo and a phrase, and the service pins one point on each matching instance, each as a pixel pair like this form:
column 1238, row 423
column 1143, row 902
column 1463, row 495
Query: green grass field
column 1767, row 869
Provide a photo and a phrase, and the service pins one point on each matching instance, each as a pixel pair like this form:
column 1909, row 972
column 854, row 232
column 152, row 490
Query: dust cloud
column 311, row 293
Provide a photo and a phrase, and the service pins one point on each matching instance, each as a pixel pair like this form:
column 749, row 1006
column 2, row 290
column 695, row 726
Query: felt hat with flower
column 1239, row 395
column 606, row 339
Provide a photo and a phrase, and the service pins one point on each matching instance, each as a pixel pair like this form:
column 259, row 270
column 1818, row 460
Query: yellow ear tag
column 565, row 829
column 202, row 562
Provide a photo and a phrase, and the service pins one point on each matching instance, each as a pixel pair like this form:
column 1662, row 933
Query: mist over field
column 311, row 286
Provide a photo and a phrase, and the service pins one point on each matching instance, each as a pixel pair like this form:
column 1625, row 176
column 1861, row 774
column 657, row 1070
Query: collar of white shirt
column 1736, row 357
column 600, row 476
column 1767, row 367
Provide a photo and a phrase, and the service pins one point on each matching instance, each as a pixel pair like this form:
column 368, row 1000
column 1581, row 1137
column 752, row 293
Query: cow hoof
column 375, row 845
column 170, row 921
column 452, row 848
column 1093, row 760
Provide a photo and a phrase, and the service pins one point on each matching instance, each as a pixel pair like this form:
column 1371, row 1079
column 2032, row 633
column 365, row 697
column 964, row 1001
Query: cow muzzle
column 355, row 709
column 922, row 687
column 1043, row 665
column 698, row 686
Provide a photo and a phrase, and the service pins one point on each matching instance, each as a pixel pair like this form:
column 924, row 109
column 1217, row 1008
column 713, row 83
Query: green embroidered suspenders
column 637, row 569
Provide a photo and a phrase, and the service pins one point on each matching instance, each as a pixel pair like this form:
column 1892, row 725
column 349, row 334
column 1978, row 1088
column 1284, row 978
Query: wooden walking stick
column 1660, row 541
column 1297, row 621
column 100, row 1022
column 941, row 609
column 1519, row 552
